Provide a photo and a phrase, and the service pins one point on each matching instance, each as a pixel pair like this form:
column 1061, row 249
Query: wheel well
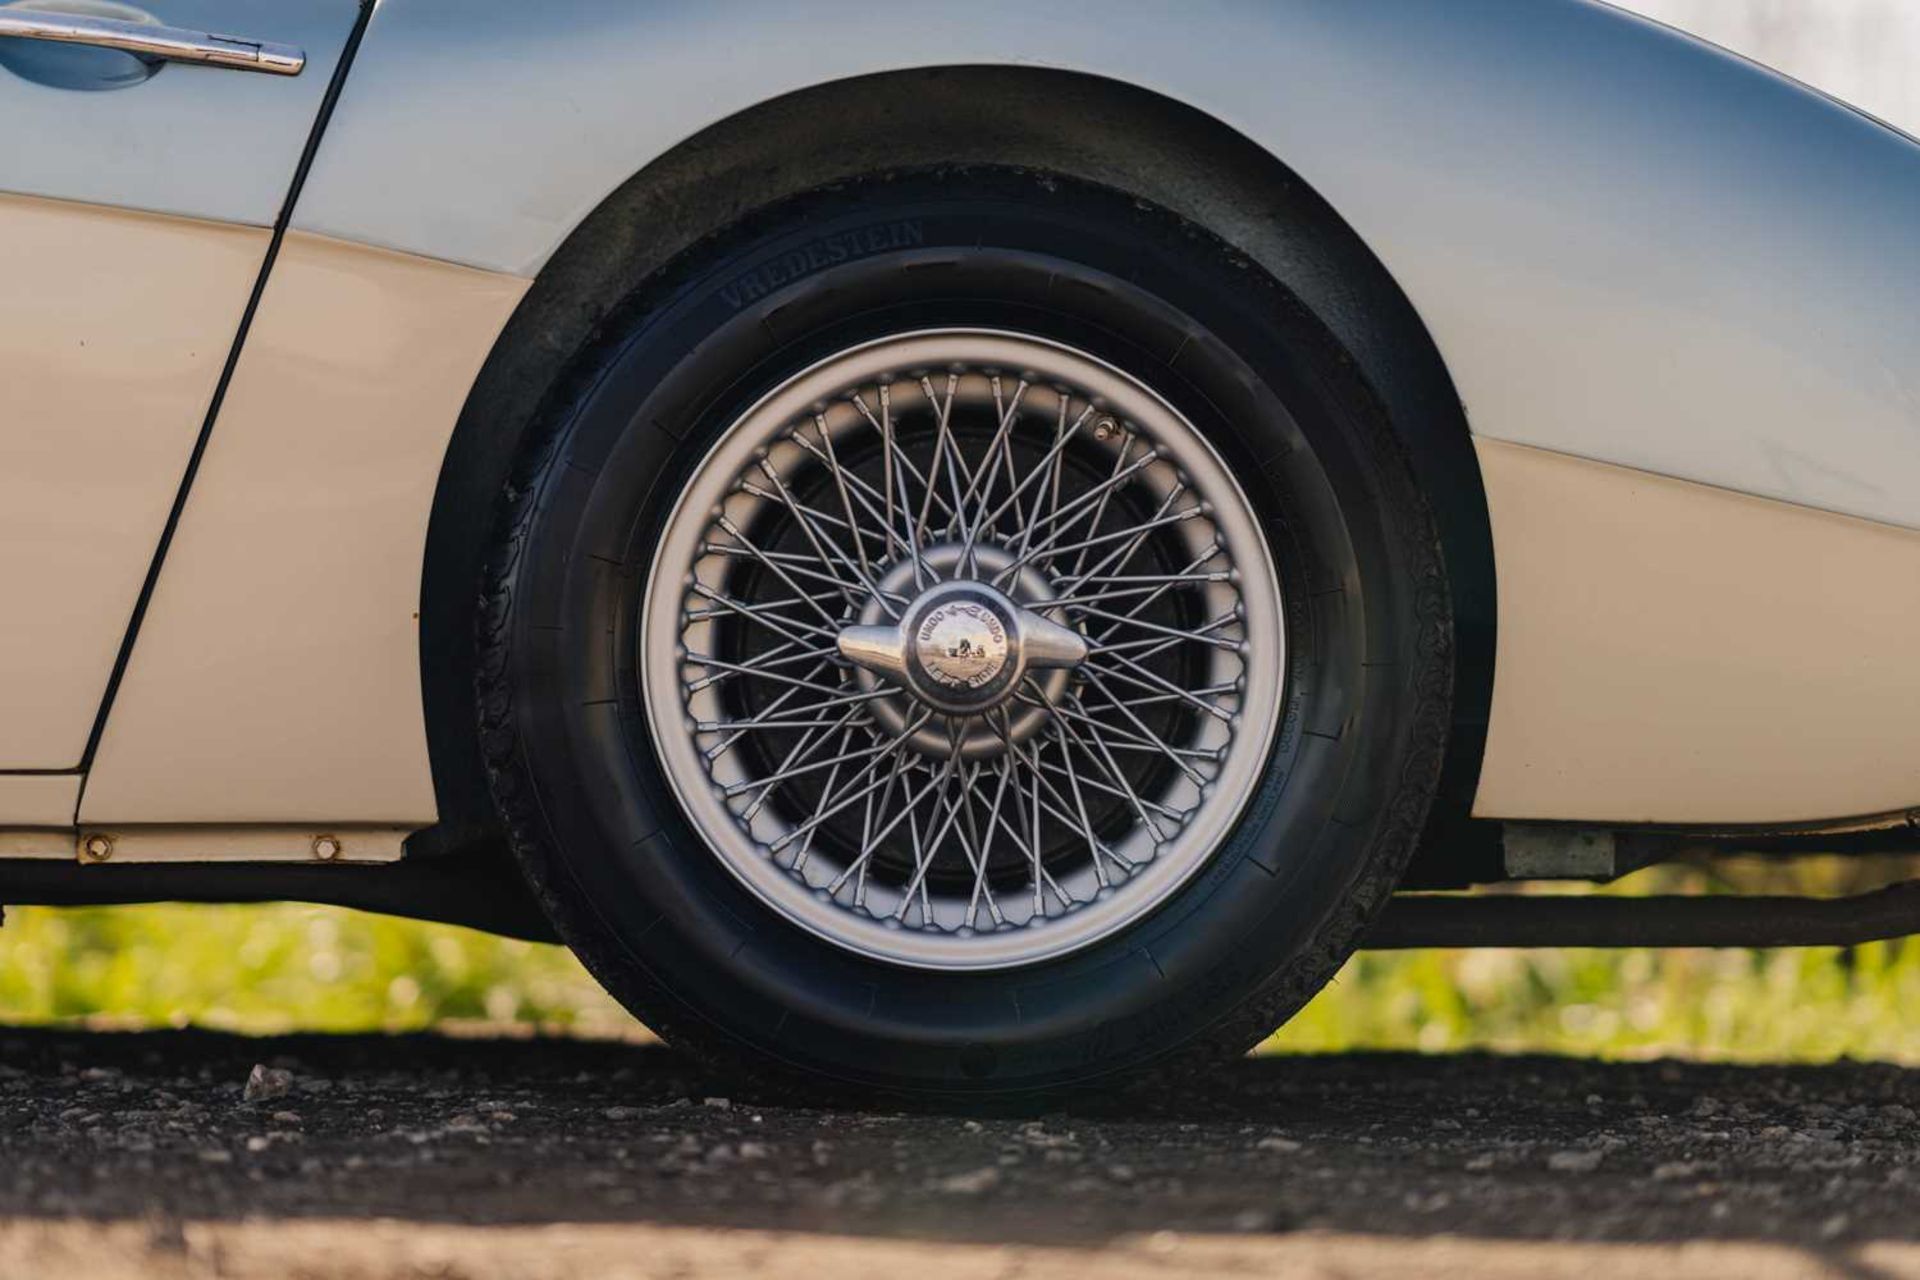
column 1093, row 129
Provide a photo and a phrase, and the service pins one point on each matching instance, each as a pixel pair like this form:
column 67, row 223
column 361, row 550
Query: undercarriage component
column 481, row 892
column 1514, row 920
column 1546, row 852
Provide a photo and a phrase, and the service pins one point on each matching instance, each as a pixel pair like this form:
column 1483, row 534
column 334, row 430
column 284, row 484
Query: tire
column 1334, row 770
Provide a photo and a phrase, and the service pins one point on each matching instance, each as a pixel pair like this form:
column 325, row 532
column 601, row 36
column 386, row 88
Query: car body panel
column 1680, row 654
column 107, row 373
column 37, row 800
column 276, row 678
column 134, row 207
column 1628, row 247
column 193, row 141
column 1627, row 244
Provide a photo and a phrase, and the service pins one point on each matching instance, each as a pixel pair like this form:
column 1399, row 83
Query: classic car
column 952, row 548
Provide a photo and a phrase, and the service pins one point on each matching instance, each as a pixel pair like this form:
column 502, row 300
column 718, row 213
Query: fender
column 1627, row 246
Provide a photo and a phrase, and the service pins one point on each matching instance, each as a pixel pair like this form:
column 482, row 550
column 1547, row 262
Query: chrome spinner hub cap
column 962, row 647
column 1027, row 589
column 962, row 650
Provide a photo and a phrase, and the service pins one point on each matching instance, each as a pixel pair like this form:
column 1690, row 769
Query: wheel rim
column 947, row 644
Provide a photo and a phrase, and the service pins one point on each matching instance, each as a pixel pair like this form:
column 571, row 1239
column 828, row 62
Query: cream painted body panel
column 276, row 678
column 1672, row 652
column 113, row 330
column 40, row 844
column 38, row 800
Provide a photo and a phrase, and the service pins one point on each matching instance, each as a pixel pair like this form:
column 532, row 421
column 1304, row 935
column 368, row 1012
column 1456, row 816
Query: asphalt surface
column 140, row 1154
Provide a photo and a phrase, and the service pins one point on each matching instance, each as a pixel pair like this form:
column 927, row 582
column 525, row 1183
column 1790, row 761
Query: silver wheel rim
column 962, row 650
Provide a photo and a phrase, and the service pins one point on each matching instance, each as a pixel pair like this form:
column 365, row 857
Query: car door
column 138, row 197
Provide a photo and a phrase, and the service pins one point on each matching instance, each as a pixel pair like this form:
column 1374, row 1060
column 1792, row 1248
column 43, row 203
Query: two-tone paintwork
column 1627, row 246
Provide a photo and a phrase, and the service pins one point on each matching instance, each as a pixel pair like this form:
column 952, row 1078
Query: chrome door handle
column 164, row 44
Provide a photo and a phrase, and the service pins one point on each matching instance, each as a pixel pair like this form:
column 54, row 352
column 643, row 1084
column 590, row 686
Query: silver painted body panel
column 1861, row 51
column 195, row 141
column 1628, row 245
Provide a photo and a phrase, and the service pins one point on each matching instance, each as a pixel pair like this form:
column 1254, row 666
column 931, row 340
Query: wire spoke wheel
column 961, row 650
column 1007, row 657
column 1012, row 655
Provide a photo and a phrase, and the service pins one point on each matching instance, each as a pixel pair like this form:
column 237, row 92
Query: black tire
column 1244, row 943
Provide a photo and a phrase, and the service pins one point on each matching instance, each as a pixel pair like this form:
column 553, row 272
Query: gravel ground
column 422, row 1156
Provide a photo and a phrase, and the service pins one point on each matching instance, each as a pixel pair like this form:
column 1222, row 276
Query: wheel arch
column 1088, row 127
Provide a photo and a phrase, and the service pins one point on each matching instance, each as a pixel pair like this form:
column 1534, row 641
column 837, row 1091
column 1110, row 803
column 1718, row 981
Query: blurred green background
column 281, row 968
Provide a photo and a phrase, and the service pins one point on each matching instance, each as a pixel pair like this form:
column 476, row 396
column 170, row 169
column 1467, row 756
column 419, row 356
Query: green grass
column 1809, row 1005
column 281, row 968
column 1798, row 1005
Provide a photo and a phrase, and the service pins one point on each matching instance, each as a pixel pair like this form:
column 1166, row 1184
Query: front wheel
column 964, row 633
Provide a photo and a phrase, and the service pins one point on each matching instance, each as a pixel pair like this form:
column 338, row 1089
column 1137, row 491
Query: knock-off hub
column 962, row 647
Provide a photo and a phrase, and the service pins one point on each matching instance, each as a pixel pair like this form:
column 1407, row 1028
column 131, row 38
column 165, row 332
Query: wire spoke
column 1148, row 584
column 779, row 677
column 1143, row 676
column 1198, row 635
column 787, row 770
column 982, row 485
column 1119, row 461
column 1137, row 534
column 1046, row 464
column 888, row 751
column 790, row 767
column 799, row 861
column 840, row 486
column 979, row 850
column 1058, row 519
column 854, row 487
column 1121, row 554
column 774, row 568
column 1118, row 776
column 944, row 449
column 806, row 519
column 867, row 496
column 760, row 662
column 929, row 850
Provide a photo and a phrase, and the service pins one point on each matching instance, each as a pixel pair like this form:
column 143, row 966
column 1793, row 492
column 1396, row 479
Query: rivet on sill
column 97, row 848
column 326, row 848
